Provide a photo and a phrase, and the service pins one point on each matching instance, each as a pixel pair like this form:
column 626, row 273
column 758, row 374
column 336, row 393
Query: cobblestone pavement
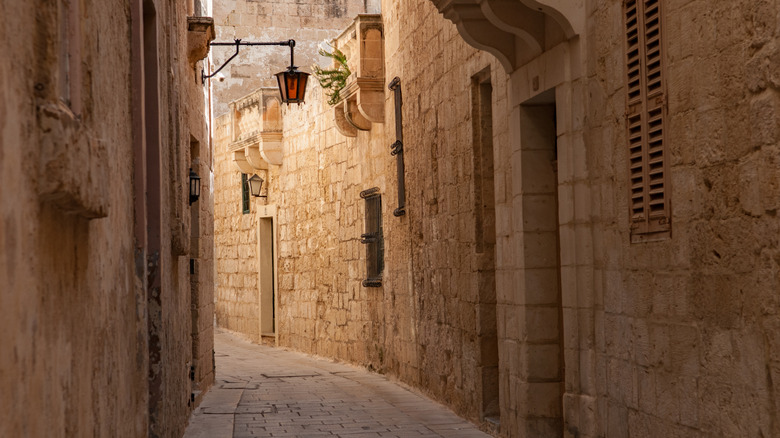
column 270, row 392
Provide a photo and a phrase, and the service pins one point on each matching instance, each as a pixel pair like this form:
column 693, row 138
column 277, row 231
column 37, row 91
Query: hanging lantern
column 292, row 85
column 194, row 186
column 255, row 185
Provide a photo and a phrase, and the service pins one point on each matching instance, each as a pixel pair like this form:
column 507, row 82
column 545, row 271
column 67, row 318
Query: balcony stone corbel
column 240, row 161
column 354, row 116
column 342, row 125
column 364, row 94
column 200, row 32
column 271, row 147
column 515, row 31
column 257, row 131
column 369, row 97
column 254, row 157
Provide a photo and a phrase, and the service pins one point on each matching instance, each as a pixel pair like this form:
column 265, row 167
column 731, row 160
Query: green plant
column 333, row 80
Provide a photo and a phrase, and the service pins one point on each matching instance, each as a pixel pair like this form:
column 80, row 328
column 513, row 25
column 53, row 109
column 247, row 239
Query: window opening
column 650, row 210
column 244, row 194
column 485, row 242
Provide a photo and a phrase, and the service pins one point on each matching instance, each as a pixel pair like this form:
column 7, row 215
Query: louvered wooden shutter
column 645, row 88
column 373, row 238
column 244, row 194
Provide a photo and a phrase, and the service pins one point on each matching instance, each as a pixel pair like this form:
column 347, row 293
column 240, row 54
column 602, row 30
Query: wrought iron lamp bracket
column 238, row 43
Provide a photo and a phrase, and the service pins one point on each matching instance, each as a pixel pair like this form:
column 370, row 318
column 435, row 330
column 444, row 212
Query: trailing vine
column 333, row 80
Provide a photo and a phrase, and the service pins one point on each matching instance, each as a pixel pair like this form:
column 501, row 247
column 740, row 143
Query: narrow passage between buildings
column 271, row 392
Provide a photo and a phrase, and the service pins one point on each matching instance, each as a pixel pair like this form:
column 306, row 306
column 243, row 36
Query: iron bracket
column 238, row 43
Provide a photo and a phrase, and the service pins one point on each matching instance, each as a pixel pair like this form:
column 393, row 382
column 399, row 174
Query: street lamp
column 255, row 184
column 194, row 186
column 292, row 83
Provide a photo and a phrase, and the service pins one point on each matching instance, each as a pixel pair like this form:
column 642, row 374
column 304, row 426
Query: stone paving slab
column 262, row 391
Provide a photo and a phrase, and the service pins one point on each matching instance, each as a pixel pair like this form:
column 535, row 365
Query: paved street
column 270, row 392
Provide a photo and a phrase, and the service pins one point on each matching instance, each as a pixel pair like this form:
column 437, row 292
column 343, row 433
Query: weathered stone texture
column 595, row 336
column 422, row 324
column 75, row 335
column 688, row 323
column 433, row 283
column 324, row 307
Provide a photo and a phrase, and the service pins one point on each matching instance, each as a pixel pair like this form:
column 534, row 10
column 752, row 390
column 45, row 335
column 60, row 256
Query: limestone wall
column 87, row 314
column 422, row 323
column 550, row 312
column 323, row 308
column 687, row 338
column 235, row 242
column 434, row 287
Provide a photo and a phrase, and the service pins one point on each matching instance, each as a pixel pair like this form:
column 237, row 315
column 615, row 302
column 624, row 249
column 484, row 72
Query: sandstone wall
column 595, row 336
column 70, row 330
column 433, row 289
column 323, row 308
column 687, row 337
column 235, row 243
column 76, row 344
column 422, row 323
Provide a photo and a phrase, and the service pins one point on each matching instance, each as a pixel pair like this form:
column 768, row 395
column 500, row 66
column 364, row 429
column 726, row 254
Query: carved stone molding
column 74, row 171
column 514, row 31
column 200, row 32
column 256, row 121
column 239, row 159
column 346, row 128
column 363, row 102
column 354, row 116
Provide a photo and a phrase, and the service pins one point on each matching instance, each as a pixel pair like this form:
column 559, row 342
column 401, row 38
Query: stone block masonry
column 568, row 325
column 103, row 319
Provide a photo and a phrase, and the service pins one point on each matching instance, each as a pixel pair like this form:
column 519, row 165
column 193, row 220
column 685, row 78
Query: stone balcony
column 363, row 101
column 256, row 131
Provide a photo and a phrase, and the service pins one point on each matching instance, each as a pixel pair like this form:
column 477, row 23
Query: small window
column 373, row 238
column 69, row 75
column 244, row 194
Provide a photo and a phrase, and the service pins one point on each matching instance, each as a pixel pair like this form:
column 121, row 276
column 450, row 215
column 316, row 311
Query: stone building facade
column 589, row 241
column 239, row 103
column 106, row 270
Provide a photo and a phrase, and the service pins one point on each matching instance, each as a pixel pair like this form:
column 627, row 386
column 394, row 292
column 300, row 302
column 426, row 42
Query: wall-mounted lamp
column 255, row 184
column 292, row 83
column 194, row 186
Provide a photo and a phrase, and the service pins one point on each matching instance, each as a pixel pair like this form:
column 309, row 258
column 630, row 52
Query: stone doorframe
column 539, row 43
column 267, row 273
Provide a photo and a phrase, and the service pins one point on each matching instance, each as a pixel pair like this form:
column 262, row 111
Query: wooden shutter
column 244, row 194
column 373, row 238
column 646, row 108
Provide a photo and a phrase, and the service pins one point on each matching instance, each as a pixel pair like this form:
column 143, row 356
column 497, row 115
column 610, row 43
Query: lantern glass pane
column 281, row 82
column 255, row 185
column 292, row 85
column 302, row 77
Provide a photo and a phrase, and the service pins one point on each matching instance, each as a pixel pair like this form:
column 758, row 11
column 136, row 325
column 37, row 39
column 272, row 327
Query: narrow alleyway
column 264, row 391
